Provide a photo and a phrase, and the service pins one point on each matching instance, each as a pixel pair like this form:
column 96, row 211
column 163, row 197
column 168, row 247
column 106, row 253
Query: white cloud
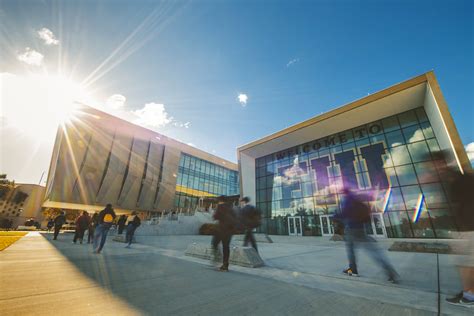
column 181, row 124
column 47, row 36
column 242, row 97
column 470, row 152
column 31, row 57
column 152, row 115
column 291, row 62
column 191, row 144
column 116, row 101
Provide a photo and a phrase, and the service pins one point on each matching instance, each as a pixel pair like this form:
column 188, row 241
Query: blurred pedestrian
column 356, row 213
column 92, row 225
column 121, row 223
column 82, row 224
column 462, row 202
column 58, row 224
column 50, row 224
column 227, row 222
column 251, row 218
column 105, row 221
column 132, row 224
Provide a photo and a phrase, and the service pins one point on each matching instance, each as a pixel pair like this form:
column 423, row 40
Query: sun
column 38, row 104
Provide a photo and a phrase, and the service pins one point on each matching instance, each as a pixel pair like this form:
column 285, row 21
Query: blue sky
column 293, row 59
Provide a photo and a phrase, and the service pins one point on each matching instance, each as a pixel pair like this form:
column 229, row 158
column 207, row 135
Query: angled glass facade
column 389, row 162
column 198, row 178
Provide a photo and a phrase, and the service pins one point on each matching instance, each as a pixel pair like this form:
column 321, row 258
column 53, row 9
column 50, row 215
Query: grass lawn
column 8, row 238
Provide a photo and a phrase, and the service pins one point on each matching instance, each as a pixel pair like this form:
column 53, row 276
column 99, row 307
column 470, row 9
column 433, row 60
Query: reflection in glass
column 406, row 175
column 419, row 151
column 400, row 224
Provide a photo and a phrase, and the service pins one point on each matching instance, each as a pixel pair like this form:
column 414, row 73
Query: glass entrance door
column 376, row 228
column 327, row 227
column 294, row 226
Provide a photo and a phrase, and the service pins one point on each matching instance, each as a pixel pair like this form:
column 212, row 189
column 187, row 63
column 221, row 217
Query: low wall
column 183, row 225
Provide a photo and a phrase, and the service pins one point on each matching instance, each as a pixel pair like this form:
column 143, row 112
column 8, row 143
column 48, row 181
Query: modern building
column 99, row 159
column 381, row 146
column 21, row 202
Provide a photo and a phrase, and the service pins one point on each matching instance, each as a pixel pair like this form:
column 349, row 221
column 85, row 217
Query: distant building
column 21, row 203
column 99, row 159
column 380, row 146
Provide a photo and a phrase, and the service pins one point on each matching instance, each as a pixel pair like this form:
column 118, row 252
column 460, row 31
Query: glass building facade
column 389, row 162
column 198, row 178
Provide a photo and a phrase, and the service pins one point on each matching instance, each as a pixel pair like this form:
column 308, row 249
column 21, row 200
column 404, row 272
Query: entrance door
column 377, row 226
column 294, row 226
column 327, row 228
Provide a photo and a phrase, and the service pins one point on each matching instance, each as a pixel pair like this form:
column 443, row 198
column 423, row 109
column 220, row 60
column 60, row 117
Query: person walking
column 462, row 201
column 58, row 224
column 105, row 220
column 227, row 222
column 82, row 224
column 355, row 213
column 251, row 219
column 121, row 223
column 132, row 224
column 92, row 225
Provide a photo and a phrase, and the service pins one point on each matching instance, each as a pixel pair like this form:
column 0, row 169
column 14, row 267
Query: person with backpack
column 355, row 213
column 132, row 224
column 105, row 220
column 227, row 223
column 58, row 224
column 82, row 224
column 251, row 219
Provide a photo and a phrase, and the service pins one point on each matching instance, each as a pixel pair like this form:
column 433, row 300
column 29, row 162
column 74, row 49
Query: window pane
column 406, row 175
column 396, row 201
column 413, row 134
column 433, row 145
column 426, row 172
column 390, row 124
column 407, row 118
column 400, row 224
column 394, row 139
column 411, row 195
column 434, row 195
column 421, row 114
column 392, row 177
column 400, row 155
column 422, row 228
column 443, row 224
column 419, row 151
column 427, row 130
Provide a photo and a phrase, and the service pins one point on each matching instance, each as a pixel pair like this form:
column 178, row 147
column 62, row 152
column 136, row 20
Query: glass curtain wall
column 198, row 178
column 388, row 162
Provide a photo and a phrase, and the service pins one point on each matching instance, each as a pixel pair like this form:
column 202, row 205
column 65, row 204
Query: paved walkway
column 39, row 276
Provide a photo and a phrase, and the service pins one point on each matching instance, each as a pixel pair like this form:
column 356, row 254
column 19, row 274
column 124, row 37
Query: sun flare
column 38, row 104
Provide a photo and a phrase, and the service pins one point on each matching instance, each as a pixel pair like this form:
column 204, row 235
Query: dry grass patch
column 8, row 238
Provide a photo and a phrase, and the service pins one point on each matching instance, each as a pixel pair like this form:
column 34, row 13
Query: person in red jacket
column 82, row 224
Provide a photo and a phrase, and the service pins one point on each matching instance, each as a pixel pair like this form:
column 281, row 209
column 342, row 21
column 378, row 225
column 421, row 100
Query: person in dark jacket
column 105, row 221
column 92, row 225
column 82, row 224
column 251, row 219
column 225, row 229
column 132, row 224
column 58, row 224
column 121, row 223
column 355, row 213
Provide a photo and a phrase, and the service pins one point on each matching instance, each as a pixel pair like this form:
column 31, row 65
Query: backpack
column 108, row 218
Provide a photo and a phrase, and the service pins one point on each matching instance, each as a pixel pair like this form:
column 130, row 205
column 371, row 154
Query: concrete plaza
column 302, row 276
